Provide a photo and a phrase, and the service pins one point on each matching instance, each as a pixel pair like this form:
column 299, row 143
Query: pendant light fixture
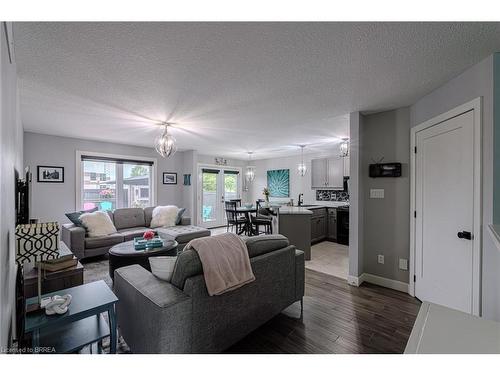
column 302, row 168
column 165, row 144
column 344, row 147
column 250, row 172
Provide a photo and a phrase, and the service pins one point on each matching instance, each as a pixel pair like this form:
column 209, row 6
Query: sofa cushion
column 103, row 241
column 130, row 233
column 129, row 218
column 182, row 233
column 188, row 263
column 259, row 245
column 148, row 215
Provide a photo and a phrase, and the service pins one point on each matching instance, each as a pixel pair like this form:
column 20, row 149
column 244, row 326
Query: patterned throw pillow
column 74, row 217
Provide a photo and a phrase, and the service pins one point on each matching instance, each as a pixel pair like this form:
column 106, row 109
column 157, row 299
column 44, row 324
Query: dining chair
column 233, row 219
column 263, row 217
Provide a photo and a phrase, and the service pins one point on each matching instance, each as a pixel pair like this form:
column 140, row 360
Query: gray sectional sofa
column 156, row 316
column 130, row 223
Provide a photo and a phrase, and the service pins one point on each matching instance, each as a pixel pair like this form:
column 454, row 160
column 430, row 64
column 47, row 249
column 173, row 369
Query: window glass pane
column 136, row 186
column 230, row 186
column 99, row 185
column 209, row 203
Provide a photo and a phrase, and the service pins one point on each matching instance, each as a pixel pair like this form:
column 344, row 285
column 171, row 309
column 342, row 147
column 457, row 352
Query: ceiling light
column 165, row 144
column 344, row 147
column 302, row 168
column 250, row 172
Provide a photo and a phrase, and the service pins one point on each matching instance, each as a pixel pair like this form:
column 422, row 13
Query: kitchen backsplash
column 332, row 195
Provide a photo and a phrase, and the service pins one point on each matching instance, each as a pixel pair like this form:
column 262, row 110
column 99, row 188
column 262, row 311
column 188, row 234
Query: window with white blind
column 111, row 181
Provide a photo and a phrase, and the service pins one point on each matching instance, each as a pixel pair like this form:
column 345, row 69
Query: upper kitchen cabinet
column 346, row 166
column 335, row 173
column 327, row 173
column 318, row 173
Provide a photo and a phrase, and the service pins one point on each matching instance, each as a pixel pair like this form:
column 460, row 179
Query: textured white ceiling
column 233, row 87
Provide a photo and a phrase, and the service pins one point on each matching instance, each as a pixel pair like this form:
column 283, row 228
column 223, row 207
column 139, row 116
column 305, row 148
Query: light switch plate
column 377, row 193
column 403, row 264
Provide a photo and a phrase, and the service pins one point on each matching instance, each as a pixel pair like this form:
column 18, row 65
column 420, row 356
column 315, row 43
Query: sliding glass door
column 217, row 185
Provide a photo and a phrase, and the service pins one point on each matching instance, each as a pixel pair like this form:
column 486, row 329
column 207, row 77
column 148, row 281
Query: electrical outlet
column 380, row 259
column 403, row 264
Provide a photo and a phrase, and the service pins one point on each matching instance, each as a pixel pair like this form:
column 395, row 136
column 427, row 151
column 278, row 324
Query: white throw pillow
column 164, row 216
column 162, row 267
column 98, row 224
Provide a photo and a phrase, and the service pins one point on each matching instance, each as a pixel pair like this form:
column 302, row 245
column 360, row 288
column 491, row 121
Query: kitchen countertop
column 306, row 209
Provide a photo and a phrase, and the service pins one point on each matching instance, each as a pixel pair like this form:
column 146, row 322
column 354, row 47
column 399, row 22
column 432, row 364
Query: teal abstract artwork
column 278, row 183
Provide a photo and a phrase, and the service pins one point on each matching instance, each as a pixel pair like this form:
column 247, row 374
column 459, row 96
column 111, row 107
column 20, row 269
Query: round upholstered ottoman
column 124, row 254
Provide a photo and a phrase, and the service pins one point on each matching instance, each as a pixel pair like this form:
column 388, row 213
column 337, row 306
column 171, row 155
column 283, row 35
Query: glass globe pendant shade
column 250, row 174
column 302, row 169
column 165, row 144
column 344, row 148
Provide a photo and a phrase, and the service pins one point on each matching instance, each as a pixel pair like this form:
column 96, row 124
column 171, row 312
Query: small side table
column 81, row 325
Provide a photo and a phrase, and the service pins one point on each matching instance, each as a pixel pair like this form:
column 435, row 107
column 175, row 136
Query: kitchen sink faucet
column 301, row 200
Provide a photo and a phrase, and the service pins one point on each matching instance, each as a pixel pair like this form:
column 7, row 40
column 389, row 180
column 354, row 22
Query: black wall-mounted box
column 385, row 170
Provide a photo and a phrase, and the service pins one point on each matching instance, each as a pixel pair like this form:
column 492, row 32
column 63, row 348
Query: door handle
column 465, row 235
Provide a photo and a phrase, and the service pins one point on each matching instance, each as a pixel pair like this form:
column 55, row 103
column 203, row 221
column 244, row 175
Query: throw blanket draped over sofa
column 225, row 262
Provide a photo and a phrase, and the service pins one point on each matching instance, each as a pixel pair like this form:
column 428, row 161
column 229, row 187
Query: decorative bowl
column 248, row 205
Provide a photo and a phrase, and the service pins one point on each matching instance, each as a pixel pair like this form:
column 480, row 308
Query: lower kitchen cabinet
column 318, row 225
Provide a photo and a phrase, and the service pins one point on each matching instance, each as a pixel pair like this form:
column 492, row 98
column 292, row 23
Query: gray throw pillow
column 178, row 219
column 74, row 217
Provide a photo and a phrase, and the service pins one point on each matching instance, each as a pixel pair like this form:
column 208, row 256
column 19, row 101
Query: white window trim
column 78, row 174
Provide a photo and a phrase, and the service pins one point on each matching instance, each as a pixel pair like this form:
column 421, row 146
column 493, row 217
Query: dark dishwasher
column 343, row 225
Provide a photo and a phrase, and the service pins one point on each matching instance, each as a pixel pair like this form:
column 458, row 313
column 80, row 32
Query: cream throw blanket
column 225, row 262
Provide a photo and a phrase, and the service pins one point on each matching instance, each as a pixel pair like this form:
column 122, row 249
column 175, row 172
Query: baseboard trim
column 382, row 281
column 354, row 280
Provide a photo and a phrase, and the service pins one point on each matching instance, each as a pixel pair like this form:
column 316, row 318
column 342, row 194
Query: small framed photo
column 169, row 178
column 52, row 174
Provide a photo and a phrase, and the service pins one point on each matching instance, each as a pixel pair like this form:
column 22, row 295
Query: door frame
column 198, row 193
column 476, row 106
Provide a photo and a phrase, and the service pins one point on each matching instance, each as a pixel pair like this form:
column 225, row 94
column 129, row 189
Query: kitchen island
column 309, row 224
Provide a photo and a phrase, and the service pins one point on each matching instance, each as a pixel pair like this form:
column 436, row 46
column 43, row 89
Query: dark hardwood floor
column 337, row 318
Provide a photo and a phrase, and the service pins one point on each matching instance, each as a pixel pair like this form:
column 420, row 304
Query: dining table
column 247, row 210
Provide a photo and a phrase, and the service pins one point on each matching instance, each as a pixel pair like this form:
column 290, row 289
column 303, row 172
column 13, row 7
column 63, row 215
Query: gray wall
column 386, row 222
column 298, row 184
column 11, row 154
column 476, row 81
column 50, row 201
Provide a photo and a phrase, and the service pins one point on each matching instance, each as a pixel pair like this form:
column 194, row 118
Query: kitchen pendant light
column 165, row 144
column 250, row 172
column 344, row 147
column 302, row 168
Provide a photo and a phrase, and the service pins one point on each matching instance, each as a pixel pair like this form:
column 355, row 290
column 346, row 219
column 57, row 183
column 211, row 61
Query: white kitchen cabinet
column 335, row 173
column 318, row 173
column 327, row 173
column 347, row 167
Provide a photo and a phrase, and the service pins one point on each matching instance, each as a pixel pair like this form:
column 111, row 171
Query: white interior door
column 217, row 185
column 444, row 205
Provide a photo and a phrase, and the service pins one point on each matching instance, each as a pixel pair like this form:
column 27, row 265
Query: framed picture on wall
column 51, row 174
column 169, row 178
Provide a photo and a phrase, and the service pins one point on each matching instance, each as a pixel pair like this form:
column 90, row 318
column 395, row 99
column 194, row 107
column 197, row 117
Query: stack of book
column 65, row 260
